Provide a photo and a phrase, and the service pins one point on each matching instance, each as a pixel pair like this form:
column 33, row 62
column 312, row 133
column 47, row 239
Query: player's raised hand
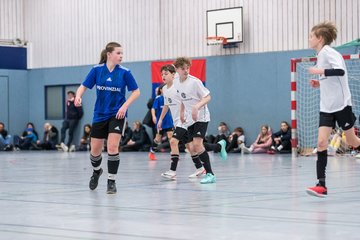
column 314, row 83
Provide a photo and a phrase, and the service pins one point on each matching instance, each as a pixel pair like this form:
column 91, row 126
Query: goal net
column 305, row 102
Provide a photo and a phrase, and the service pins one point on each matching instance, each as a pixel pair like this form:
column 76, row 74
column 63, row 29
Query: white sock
column 111, row 176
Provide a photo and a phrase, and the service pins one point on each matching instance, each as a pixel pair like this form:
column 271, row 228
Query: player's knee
column 322, row 143
column 198, row 146
column 190, row 148
column 113, row 148
column 173, row 142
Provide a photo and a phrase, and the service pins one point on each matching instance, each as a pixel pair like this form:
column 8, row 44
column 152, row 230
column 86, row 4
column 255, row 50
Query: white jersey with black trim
column 173, row 100
column 192, row 91
column 334, row 90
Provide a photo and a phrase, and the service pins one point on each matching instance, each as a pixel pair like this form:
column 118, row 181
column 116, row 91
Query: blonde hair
column 326, row 30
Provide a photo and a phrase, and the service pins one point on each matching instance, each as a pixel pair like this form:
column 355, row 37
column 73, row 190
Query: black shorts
column 344, row 118
column 181, row 134
column 198, row 129
column 163, row 131
column 101, row 130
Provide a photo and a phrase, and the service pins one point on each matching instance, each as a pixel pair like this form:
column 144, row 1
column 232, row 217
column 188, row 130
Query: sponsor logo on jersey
column 105, row 88
column 109, row 79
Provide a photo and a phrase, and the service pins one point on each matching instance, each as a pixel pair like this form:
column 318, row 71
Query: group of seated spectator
column 266, row 141
column 137, row 139
column 30, row 139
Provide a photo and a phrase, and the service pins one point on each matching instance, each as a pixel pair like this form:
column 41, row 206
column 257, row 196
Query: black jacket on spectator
column 139, row 137
column 285, row 136
column 148, row 117
column 50, row 139
column 141, row 141
column 4, row 133
column 73, row 112
column 52, row 135
column 127, row 136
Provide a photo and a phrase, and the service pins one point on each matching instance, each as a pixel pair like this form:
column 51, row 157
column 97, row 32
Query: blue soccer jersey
column 158, row 106
column 110, row 89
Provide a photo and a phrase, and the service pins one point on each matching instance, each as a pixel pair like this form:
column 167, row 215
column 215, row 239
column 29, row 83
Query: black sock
column 113, row 165
column 204, row 157
column 96, row 162
column 212, row 147
column 321, row 167
column 153, row 147
column 174, row 161
column 196, row 161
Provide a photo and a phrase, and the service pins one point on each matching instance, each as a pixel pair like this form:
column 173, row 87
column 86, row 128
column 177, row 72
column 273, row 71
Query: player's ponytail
column 103, row 56
column 108, row 49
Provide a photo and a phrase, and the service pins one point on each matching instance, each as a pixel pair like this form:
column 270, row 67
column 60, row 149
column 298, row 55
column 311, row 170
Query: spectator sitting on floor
column 85, row 139
column 5, row 139
column 223, row 133
column 127, row 135
column 236, row 141
column 28, row 139
column 138, row 140
column 281, row 140
column 262, row 142
column 50, row 138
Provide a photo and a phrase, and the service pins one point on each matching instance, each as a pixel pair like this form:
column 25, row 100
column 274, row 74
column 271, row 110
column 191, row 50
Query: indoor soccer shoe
column 111, row 187
column 317, row 191
column 246, row 150
column 223, row 153
column 209, row 178
column 198, row 172
column 64, row 147
column 94, row 180
column 170, row 175
column 152, row 156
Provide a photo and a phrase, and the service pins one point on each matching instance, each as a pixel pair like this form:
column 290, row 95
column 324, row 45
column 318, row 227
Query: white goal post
column 305, row 101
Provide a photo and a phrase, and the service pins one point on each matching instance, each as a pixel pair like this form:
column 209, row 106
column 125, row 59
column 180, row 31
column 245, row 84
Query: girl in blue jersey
column 111, row 80
column 167, row 122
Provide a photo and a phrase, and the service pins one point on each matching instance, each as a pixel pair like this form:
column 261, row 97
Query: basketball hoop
column 216, row 40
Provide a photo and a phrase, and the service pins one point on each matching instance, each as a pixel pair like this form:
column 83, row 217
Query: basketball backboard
column 227, row 22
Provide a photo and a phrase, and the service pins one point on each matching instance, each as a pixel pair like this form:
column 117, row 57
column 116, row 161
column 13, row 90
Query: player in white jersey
column 335, row 98
column 172, row 101
column 194, row 97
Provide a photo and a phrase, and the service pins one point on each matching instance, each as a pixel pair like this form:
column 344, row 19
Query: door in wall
column 4, row 101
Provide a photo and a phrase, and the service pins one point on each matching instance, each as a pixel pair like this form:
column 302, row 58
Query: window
column 55, row 100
